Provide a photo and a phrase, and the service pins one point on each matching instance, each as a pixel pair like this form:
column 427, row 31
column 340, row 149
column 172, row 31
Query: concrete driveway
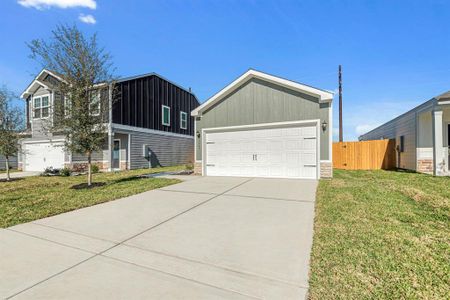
column 205, row 238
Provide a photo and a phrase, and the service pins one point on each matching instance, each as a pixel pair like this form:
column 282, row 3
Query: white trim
column 181, row 119
column 322, row 95
column 162, row 115
column 49, row 105
column 330, row 133
column 315, row 122
column 259, row 125
column 117, row 127
column 36, row 80
column 129, row 153
column 443, row 102
column 120, row 154
column 43, row 141
column 195, row 141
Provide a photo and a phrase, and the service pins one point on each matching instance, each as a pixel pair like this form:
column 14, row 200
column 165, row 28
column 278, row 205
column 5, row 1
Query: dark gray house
column 12, row 163
column 149, row 125
column 265, row 126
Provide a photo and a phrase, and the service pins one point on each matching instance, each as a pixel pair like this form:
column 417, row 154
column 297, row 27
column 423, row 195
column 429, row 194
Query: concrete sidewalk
column 19, row 174
column 211, row 237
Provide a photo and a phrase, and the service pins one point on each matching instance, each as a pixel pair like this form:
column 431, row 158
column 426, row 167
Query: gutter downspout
column 110, row 133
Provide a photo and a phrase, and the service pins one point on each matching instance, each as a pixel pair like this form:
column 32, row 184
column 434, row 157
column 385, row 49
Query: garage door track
column 205, row 238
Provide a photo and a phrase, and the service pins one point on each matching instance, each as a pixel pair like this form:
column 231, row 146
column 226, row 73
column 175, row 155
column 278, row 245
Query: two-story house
column 149, row 125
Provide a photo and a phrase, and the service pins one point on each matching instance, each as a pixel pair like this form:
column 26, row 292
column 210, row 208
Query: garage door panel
column 276, row 152
column 39, row 156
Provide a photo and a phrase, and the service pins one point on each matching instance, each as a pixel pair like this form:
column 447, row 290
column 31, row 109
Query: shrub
column 189, row 166
column 65, row 172
column 95, row 169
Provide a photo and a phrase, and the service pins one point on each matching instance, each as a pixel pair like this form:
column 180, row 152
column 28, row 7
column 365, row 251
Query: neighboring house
column 149, row 125
column 12, row 163
column 265, row 126
column 422, row 136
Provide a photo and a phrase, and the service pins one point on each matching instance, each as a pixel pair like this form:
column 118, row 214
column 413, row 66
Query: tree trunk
column 8, row 177
column 89, row 169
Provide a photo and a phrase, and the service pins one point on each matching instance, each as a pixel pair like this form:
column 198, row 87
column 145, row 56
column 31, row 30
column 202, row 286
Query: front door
column 116, row 155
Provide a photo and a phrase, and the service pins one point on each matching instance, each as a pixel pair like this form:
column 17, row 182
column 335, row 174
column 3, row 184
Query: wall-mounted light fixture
column 198, row 134
column 324, row 125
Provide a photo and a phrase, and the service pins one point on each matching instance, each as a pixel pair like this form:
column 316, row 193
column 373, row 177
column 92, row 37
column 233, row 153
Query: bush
column 65, row 172
column 50, row 171
column 189, row 166
column 95, row 169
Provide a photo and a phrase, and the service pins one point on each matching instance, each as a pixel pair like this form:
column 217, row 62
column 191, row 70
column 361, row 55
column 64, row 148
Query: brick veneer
column 425, row 166
column 198, row 168
column 326, row 169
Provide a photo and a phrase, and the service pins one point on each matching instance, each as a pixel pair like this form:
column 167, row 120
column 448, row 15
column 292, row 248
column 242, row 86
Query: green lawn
column 381, row 235
column 37, row 197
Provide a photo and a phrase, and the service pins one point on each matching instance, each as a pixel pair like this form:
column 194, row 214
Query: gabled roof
column 324, row 96
column 38, row 82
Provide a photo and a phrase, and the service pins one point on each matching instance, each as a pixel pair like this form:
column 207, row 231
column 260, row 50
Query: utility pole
column 340, row 104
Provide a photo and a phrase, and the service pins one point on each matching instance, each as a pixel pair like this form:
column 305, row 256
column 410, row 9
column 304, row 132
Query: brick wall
column 425, row 166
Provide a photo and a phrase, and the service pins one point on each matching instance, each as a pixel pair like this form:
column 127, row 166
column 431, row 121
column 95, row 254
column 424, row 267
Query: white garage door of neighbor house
column 40, row 156
column 278, row 152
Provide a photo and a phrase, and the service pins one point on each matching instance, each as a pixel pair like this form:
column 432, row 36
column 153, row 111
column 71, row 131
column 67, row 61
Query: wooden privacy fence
column 364, row 155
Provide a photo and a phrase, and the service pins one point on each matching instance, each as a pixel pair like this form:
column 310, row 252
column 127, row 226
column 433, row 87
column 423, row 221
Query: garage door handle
column 210, row 165
column 309, row 138
column 310, row 166
column 210, row 143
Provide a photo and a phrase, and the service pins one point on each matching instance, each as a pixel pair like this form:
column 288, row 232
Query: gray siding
column 405, row 126
column 12, row 162
column 259, row 102
column 40, row 127
column 166, row 150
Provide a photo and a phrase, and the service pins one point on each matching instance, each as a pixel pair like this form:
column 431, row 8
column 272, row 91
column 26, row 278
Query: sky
column 394, row 54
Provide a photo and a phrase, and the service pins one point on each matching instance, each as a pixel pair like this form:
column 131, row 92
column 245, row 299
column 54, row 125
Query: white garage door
column 40, row 156
column 277, row 152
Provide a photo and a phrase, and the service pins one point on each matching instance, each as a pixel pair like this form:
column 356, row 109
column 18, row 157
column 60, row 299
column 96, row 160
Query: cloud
column 88, row 19
column 364, row 128
column 42, row 4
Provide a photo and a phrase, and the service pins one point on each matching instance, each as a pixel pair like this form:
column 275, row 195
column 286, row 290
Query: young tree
column 86, row 77
column 10, row 125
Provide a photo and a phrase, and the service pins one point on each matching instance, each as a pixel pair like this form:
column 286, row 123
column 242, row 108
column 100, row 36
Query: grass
column 37, row 197
column 381, row 235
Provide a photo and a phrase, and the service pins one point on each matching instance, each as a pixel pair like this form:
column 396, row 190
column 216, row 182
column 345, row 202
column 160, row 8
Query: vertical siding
column 257, row 102
column 405, row 126
column 167, row 150
column 140, row 100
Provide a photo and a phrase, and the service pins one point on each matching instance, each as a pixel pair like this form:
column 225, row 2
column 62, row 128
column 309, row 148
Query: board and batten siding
column 167, row 150
column 258, row 102
column 405, row 125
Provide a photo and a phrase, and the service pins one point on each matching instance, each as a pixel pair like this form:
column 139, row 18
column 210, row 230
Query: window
column 94, row 107
column 402, row 144
column 183, row 120
column 41, row 107
column 67, row 106
column 165, row 115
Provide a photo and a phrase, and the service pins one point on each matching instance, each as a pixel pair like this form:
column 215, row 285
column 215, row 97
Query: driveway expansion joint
column 122, row 242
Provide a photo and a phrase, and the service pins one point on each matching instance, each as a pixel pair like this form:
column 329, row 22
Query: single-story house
column 149, row 125
column 262, row 125
column 422, row 136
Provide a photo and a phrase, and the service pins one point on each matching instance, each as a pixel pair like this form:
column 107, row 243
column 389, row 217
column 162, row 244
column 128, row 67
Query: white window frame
column 182, row 113
column 41, row 107
column 162, row 115
column 98, row 92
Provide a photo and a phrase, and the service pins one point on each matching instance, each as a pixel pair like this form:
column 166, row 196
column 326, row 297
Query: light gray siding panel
column 258, row 102
column 405, row 126
column 167, row 150
column 12, row 162
column 97, row 156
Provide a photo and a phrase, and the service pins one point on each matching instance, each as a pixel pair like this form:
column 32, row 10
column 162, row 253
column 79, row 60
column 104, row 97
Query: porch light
column 324, row 125
column 198, row 134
